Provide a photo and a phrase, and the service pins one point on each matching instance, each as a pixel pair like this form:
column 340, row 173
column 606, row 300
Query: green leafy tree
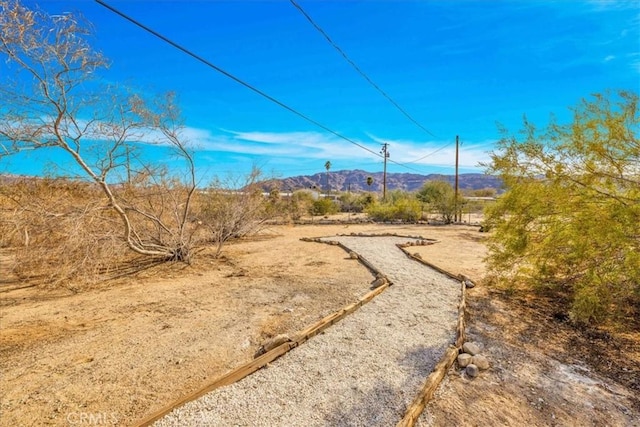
column 440, row 198
column 569, row 221
column 399, row 206
column 369, row 181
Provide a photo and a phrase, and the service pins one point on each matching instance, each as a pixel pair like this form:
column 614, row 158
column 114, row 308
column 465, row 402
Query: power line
column 430, row 154
column 355, row 66
column 245, row 84
column 232, row 77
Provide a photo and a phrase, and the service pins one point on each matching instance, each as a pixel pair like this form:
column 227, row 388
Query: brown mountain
column 356, row 180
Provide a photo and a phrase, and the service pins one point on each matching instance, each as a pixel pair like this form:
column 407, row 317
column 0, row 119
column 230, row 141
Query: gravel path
column 363, row 371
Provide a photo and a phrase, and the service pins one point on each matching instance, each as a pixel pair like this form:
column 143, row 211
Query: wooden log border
column 250, row 367
column 432, row 382
column 434, row 379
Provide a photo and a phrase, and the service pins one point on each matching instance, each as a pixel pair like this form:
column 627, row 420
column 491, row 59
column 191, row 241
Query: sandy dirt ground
column 114, row 353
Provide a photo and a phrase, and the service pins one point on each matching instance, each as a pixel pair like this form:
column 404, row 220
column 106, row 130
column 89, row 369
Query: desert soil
column 363, row 371
column 118, row 351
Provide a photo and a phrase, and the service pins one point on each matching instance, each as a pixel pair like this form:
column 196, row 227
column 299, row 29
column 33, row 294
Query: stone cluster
column 420, row 242
column 472, row 359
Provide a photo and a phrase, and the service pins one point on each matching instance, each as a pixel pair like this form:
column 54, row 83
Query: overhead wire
column 234, row 78
column 356, row 67
column 430, row 154
column 243, row 83
column 368, row 79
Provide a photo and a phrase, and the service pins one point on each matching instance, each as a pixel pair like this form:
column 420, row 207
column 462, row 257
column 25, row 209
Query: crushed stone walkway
column 363, row 371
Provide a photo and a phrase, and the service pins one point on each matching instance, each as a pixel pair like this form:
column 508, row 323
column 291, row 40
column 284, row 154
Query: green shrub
column 323, row 207
column 569, row 218
column 403, row 209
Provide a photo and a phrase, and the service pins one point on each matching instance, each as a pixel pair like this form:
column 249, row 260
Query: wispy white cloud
column 307, row 145
column 609, row 58
column 289, row 148
column 436, row 152
column 607, row 5
column 284, row 146
column 634, row 61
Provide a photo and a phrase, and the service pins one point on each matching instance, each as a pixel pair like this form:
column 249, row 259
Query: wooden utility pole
column 385, row 154
column 455, row 201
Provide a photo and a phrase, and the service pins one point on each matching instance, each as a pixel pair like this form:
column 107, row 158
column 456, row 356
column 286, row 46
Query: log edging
column 432, row 382
column 415, row 409
column 304, row 335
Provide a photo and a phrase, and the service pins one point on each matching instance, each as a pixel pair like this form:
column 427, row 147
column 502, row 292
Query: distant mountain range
column 356, row 180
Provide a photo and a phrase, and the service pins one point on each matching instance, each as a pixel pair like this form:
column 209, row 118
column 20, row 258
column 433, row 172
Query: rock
column 417, row 255
column 464, row 359
column 472, row 370
column 480, row 361
column 353, row 255
column 272, row 343
column 471, row 348
column 467, row 282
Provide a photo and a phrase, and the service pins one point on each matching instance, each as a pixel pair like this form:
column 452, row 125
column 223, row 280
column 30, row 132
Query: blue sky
column 457, row 67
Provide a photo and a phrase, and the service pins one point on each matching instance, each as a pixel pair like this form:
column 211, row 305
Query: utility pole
column 385, row 154
column 455, row 201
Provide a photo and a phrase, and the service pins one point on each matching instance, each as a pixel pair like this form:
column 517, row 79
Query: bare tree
column 234, row 208
column 51, row 98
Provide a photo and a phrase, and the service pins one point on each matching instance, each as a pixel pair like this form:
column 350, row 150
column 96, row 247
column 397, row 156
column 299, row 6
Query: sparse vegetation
column 119, row 207
column 568, row 227
column 300, row 203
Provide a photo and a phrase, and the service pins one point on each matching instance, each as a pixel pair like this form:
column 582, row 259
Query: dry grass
column 61, row 232
column 64, row 232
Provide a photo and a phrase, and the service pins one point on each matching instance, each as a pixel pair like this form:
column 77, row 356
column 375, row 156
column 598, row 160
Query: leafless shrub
column 60, row 231
column 233, row 209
